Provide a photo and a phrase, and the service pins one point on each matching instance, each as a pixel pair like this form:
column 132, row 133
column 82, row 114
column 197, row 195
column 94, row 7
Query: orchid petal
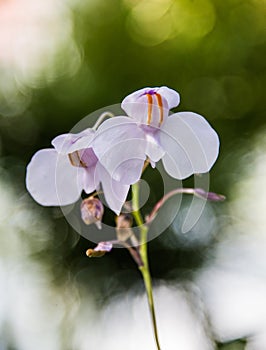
column 115, row 193
column 104, row 247
column 120, row 145
column 88, row 157
column 91, row 180
column 69, row 143
column 51, row 180
column 190, row 143
column 172, row 97
column 153, row 150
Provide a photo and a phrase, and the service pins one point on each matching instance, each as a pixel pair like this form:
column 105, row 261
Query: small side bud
column 211, row 196
column 92, row 211
column 99, row 250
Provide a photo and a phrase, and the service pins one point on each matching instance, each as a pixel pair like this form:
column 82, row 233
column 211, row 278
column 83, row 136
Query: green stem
column 144, row 269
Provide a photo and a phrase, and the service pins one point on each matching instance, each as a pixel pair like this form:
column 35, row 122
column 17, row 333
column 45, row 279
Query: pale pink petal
column 136, row 104
column 103, row 247
column 153, row 150
column 128, row 171
column 68, row 143
column 88, row 157
column 136, row 94
column 51, row 180
column 91, row 179
column 115, row 193
column 112, row 122
column 172, row 97
column 190, row 143
column 120, row 146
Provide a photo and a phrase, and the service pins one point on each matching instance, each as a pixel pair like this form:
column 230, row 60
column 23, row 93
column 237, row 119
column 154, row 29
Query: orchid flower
column 57, row 176
column 113, row 153
column 184, row 141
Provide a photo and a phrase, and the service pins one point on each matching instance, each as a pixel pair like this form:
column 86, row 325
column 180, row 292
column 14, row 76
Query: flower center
column 158, row 102
column 83, row 158
column 75, row 159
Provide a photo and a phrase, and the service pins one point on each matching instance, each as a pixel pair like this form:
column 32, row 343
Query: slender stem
column 101, row 118
column 161, row 202
column 144, row 269
column 198, row 192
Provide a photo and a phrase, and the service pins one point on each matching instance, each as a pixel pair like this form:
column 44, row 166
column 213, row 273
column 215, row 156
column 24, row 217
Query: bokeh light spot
column 153, row 22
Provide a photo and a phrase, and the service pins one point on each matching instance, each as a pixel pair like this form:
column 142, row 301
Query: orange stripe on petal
column 160, row 104
column 75, row 159
column 149, row 97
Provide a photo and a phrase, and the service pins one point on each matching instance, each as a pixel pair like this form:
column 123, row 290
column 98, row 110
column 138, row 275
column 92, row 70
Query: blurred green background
column 61, row 60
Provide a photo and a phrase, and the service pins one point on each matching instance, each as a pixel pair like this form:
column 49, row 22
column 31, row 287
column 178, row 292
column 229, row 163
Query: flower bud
column 91, row 253
column 124, row 221
column 211, row 196
column 123, row 229
column 92, row 211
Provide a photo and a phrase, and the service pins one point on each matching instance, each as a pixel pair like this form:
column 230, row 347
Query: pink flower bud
column 92, row 211
column 211, row 196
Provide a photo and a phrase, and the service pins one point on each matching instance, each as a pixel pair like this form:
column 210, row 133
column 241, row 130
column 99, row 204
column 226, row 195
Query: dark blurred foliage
column 216, row 61
column 236, row 345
